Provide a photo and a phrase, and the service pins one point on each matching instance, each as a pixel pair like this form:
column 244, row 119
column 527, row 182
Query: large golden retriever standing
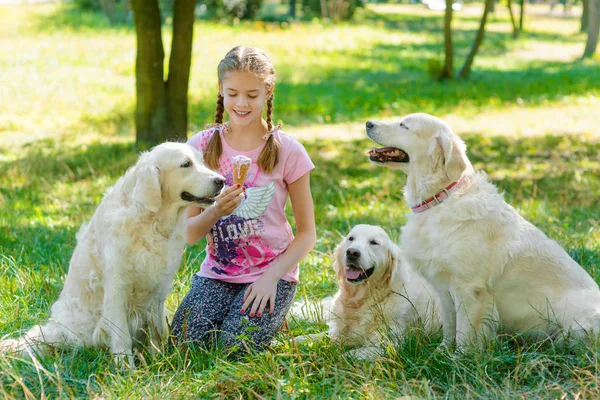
column 488, row 264
column 127, row 255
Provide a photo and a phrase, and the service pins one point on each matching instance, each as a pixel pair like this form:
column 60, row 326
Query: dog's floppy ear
column 448, row 152
column 396, row 259
column 393, row 260
column 147, row 189
column 338, row 263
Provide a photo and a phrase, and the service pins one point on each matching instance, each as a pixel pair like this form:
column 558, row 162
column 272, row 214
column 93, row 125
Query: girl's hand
column 258, row 294
column 228, row 200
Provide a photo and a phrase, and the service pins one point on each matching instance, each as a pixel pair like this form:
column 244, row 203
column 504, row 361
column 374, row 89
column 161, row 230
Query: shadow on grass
column 31, row 187
column 48, row 160
column 35, row 246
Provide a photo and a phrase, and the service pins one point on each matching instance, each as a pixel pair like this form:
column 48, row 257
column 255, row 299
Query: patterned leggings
column 210, row 313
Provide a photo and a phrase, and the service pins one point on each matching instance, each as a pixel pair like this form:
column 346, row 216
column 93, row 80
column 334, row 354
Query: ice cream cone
column 241, row 165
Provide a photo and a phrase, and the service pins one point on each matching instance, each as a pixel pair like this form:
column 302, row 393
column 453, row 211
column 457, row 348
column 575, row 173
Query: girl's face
column 244, row 96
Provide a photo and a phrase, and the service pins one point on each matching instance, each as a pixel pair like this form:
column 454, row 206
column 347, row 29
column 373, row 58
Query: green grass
column 66, row 102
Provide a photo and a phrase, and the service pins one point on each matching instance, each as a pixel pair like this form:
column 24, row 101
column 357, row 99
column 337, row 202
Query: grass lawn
column 529, row 117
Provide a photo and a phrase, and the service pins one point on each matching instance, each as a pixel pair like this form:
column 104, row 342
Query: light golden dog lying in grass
column 489, row 266
column 378, row 294
column 123, row 265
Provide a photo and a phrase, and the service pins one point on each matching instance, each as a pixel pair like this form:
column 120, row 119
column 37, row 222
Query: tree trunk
column 293, row 8
column 585, row 15
column 161, row 109
column 466, row 69
column 151, row 113
column 448, row 70
column 512, row 19
column 521, row 15
column 179, row 68
column 593, row 28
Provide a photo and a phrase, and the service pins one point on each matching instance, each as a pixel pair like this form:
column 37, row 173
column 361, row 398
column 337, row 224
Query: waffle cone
column 239, row 173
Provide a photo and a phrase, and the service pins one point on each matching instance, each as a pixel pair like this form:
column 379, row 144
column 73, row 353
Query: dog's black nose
column 219, row 182
column 370, row 124
column 352, row 254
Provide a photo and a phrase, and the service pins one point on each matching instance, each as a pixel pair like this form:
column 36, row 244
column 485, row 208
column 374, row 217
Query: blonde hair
column 256, row 61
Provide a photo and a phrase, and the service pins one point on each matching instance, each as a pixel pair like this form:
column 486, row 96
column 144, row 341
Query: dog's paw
column 10, row 346
column 124, row 360
column 18, row 347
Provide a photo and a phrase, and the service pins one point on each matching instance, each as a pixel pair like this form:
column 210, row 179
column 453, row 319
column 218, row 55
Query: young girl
column 247, row 281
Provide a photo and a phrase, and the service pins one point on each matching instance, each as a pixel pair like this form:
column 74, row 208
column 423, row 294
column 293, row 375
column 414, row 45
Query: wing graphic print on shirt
column 256, row 202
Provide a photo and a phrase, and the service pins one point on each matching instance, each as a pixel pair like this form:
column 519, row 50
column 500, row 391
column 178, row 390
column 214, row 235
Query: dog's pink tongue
column 352, row 273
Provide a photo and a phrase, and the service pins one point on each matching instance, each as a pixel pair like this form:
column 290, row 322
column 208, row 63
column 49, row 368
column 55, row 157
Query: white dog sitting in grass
column 123, row 265
column 489, row 266
column 378, row 294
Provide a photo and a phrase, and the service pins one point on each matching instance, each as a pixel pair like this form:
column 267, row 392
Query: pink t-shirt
column 242, row 245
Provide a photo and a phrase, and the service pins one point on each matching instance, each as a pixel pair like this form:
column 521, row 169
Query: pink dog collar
column 438, row 197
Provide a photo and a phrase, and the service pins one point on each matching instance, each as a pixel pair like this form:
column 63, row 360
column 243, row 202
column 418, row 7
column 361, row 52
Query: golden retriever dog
column 123, row 265
column 378, row 294
column 489, row 266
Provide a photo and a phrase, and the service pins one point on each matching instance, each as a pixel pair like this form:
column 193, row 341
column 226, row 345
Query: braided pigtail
column 269, row 156
column 214, row 148
column 270, row 113
column 220, row 109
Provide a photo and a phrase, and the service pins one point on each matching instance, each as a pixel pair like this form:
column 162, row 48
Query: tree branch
column 466, row 69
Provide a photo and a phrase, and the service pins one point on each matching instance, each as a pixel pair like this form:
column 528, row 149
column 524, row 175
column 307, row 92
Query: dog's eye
column 374, row 242
column 402, row 125
column 351, row 239
column 186, row 164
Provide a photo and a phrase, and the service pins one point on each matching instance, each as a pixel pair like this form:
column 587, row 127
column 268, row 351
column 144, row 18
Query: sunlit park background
column 529, row 112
